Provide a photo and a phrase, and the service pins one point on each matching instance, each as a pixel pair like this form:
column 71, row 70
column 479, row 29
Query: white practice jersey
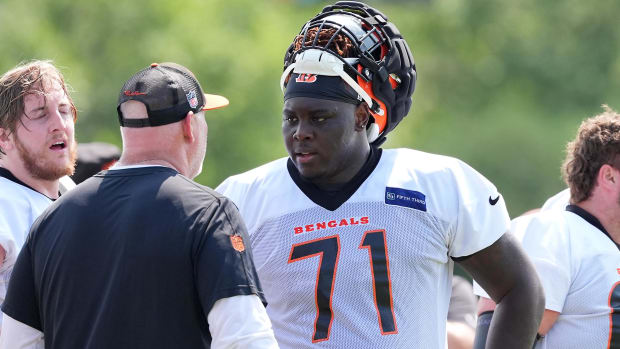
column 579, row 267
column 374, row 272
column 19, row 207
column 557, row 201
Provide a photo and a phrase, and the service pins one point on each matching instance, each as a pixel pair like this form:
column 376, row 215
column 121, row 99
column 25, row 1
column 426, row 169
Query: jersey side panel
column 585, row 320
column 20, row 208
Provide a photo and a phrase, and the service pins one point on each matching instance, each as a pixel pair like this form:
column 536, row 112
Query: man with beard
column 140, row 255
column 576, row 249
column 37, row 149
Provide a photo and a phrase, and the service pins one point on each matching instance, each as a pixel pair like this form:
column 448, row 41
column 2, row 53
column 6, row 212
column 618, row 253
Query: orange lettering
column 364, row 220
column 309, row 227
column 332, row 224
column 321, row 225
column 354, row 222
column 298, row 230
column 309, row 78
column 343, row 222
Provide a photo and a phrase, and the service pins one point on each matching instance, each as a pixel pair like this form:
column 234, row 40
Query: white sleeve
column 236, row 189
column 240, row 322
column 547, row 242
column 229, row 188
column 232, row 190
column 482, row 217
column 223, row 187
column 12, row 223
column 17, row 335
column 557, row 201
column 518, row 227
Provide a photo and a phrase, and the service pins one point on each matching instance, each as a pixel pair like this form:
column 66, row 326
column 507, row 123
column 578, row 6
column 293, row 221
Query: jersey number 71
column 328, row 249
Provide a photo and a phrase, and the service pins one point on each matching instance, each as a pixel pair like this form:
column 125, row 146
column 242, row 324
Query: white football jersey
column 579, row 267
column 557, row 201
column 20, row 206
column 376, row 271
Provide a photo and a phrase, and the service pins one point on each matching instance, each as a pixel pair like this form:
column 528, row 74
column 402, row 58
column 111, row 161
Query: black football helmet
column 380, row 67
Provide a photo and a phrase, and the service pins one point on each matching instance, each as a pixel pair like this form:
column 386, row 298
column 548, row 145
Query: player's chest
column 595, row 285
column 351, row 238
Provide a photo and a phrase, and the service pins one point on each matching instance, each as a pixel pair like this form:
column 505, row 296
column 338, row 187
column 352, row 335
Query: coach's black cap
column 169, row 91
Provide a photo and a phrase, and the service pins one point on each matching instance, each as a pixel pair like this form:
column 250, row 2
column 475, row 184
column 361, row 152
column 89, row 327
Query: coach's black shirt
column 131, row 258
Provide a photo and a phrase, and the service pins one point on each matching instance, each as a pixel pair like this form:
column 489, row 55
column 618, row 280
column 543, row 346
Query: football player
column 141, row 256
column 576, row 249
column 354, row 245
column 37, row 150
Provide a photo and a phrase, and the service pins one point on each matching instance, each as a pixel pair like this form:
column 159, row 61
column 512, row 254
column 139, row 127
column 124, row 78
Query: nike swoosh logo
column 493, row 201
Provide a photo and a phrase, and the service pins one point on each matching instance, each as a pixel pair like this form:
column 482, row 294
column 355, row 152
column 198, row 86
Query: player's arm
column 487, row 306
column 240, row 322
column 506, row 274
column 17, row 335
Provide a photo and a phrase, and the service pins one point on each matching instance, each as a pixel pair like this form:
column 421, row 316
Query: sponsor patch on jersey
column 237, row 243
column 405, row 198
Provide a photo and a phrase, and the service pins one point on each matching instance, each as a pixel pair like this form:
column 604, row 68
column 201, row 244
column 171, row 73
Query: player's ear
column 362, row 116
column 188, row 128
column 608, row 177
column 5, row 139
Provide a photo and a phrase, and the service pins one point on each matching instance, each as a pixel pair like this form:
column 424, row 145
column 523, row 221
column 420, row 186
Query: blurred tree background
column 502, row 84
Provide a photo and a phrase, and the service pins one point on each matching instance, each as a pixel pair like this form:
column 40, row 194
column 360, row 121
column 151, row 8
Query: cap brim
column 214, row 102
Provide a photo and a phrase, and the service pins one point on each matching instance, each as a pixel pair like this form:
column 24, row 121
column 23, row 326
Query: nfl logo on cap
column 191, row 98
column 161, row 88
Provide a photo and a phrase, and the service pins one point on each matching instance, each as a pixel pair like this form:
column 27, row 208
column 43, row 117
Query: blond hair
column 24, row 79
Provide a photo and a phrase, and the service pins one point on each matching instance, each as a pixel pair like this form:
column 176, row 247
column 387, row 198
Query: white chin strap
column 372, row 132
column 319, row 62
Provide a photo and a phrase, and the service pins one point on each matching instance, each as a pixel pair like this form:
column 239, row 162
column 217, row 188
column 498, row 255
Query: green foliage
column 502, row 84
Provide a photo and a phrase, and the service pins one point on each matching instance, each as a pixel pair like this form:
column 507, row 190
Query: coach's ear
column 188, row 128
